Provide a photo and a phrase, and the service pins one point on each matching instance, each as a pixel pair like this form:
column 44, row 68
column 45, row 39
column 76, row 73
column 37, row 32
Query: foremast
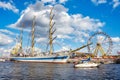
column 17, row 50
column 33, row 36
column 51, row 31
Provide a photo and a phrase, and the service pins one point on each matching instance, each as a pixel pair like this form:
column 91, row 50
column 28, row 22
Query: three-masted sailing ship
column 58, row 57
column 16, row 55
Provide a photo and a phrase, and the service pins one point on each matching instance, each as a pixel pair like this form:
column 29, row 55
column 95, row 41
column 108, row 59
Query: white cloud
column 80, row 36
column 116, row 44
column 45, row 1
column 6, row 31
column 63, row 36
column 63, row 1
column 54, row 1
column 86, row 23
column 116, row 39
column 67, row 26
column 5, row 40
column 9, row 6
column 41, row 40
column 65, row 48
column 97, row 2
column 5, row 52
column 116, row 3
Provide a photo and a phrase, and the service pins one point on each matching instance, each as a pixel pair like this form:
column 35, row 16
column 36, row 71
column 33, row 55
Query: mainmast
column 51, row 31
column 33, row 36
column 21, row 37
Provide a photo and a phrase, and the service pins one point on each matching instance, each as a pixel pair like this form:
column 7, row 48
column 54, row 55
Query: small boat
column 86, row 64
column 2, row 60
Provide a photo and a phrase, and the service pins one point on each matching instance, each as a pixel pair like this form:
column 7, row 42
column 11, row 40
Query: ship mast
column 21, row 37
column 51, row 31
column 33, row 36
column 18, row 48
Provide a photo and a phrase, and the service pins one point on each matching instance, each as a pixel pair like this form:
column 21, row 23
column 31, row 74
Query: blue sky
column 75, row 21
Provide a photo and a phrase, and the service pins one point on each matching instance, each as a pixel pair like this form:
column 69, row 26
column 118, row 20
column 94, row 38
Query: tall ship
column 17, row 53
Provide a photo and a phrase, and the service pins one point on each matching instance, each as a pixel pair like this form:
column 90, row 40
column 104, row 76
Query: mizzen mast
column 51, row 31
column 33, row 36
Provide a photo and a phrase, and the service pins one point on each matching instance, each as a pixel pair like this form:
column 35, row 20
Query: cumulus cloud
column 40, row 40
column 63, row 1
column 64, row 48
column 116, row 3
column 86, row 23
column 6, row 31
column 116, row 44
column 45, row 1
column 54, row 1
column 5, row 52
column 5, row 40
column 97, row 2
column 67, row 26
column 8, row 6
column 116, row 39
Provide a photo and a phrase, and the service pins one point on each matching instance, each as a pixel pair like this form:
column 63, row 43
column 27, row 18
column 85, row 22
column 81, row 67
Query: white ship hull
column 47, row 59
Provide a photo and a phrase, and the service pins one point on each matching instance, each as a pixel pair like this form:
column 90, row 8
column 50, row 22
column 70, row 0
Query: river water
column 47, row 71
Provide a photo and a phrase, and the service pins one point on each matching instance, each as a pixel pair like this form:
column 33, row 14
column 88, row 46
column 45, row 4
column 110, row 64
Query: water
column 46, row 71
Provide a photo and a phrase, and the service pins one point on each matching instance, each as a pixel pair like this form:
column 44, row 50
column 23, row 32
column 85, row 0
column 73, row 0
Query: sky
column 75, row 22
